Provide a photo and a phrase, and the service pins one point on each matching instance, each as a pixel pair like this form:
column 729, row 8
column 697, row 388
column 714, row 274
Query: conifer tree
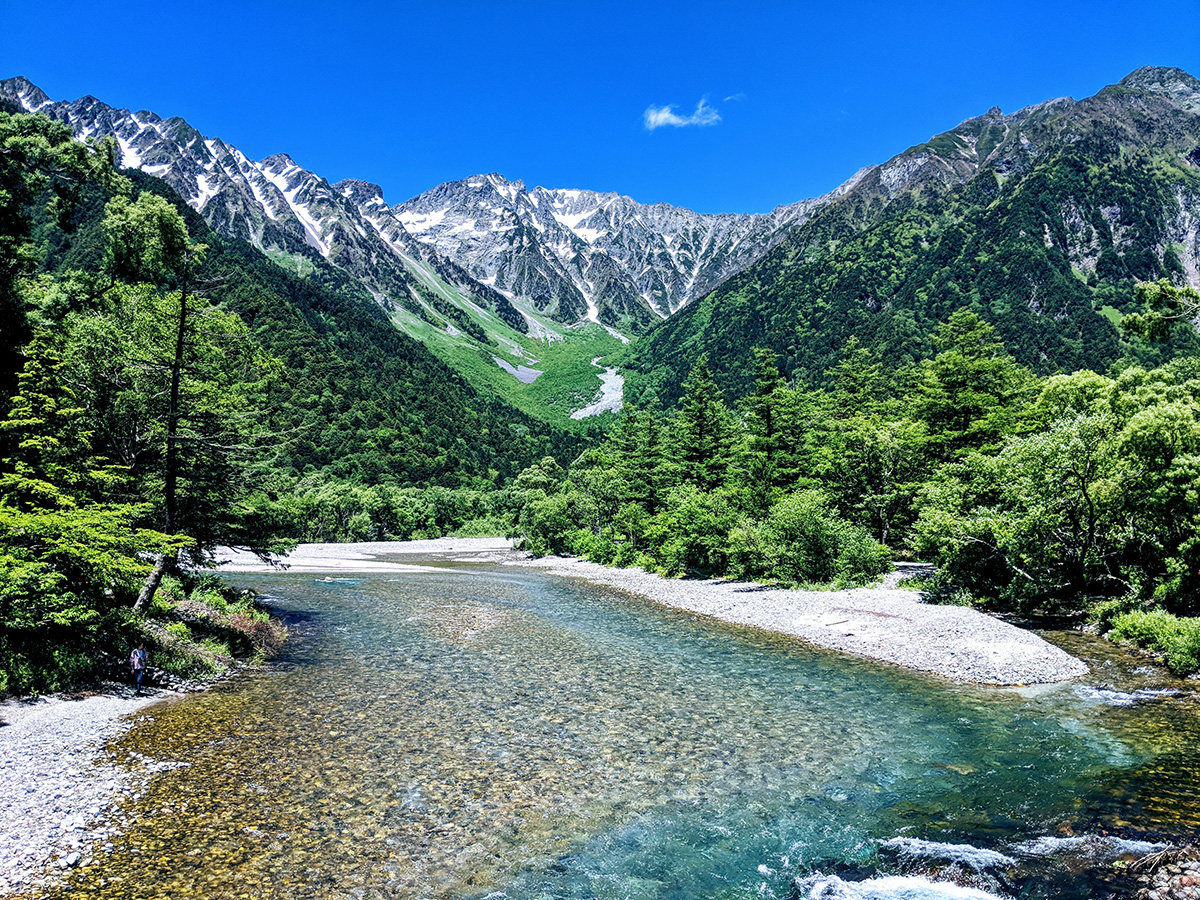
column 702, row 430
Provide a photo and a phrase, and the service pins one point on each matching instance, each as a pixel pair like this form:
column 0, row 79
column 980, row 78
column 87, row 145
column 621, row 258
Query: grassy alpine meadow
column 569, row 380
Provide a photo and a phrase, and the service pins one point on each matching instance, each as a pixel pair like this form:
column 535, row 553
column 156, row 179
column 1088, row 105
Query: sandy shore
column 383, row 556
column 884, row 624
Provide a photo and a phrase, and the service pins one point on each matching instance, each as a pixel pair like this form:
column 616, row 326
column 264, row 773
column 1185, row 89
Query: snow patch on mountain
column 612, row 386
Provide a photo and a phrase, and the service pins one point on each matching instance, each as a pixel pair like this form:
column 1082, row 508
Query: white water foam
column 1113, row 697
column 973, row 857
column 887, row 887
column 1088, row 846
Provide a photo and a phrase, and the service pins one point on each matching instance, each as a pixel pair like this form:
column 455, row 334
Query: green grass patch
column 568, row 381
column 296, row 263
column 1175, row 638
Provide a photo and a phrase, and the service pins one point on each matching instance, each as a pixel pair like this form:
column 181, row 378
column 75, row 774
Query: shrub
column 261, row 632
column 947, row 593
column 179, row 631
column 488, row 526
column 1105, row 612
column 861, row 559
column 804, row 541
column 1176, row 639
column 162, row 605
column 212, row 598
column 691, row 536
column 551, row 524
column 216, row 648
column 595, row 548
column 170, row 591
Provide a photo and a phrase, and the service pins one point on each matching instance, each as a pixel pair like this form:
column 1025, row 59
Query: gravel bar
column 880, row 623
column 885, row 624
column 59, row 786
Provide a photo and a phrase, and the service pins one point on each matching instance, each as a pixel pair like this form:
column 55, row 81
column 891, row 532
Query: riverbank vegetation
column 1070, row 492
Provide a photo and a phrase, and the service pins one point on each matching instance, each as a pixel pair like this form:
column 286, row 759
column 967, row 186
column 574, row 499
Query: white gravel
column 368, row 557
column 880, row 623
column 612, row 387
column 58, row 784
column 888, row 625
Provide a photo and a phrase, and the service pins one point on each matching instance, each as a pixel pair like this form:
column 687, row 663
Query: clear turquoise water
column 493, row 732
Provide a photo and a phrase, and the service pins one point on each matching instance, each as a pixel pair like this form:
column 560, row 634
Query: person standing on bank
column 137, row 665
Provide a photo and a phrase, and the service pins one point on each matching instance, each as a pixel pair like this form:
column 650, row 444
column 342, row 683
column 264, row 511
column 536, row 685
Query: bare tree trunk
column 164, row 562
column 171, row 463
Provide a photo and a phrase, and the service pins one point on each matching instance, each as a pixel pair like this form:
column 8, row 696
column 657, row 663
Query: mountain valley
column 490, row 274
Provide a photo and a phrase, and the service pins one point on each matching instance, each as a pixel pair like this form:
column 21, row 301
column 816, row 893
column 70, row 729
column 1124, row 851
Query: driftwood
column 1148, row 865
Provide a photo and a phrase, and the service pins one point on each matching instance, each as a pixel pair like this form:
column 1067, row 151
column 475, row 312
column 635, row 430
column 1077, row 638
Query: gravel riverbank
column 59, row 785
column 884, row 624
column 880, row 623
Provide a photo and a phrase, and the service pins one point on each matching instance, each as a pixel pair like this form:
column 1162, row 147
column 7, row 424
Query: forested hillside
column 1043, row 222
column 168, row 391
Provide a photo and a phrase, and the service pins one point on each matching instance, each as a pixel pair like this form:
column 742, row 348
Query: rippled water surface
column 491, row 732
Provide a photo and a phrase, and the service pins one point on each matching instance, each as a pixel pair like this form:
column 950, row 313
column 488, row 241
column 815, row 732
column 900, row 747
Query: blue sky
column 755, row 104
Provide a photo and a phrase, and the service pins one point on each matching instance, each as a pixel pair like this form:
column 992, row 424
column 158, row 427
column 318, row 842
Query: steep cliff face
column 621, row 258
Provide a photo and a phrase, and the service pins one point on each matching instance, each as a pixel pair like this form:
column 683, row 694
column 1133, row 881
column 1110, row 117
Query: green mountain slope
column 366, row 402
column 1042, row 222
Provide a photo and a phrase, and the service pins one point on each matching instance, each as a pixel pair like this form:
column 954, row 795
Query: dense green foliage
column 171, row 396
column 1029, row 492
column 346, row 511
column 1176, row 639
column 705, row 491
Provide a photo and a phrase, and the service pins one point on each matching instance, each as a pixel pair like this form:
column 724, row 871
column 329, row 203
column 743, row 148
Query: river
column 487, row 732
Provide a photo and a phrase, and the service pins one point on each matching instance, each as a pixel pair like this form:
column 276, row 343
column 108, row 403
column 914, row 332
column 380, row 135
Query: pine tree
column 702, row 430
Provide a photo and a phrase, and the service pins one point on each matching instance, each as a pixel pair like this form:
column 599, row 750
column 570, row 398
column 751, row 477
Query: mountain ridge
column 571, row 254
column 1042, row 220
column 664, row 254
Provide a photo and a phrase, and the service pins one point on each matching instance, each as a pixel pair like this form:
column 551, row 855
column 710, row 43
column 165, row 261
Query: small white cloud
column 658, row 116
column 739, row 96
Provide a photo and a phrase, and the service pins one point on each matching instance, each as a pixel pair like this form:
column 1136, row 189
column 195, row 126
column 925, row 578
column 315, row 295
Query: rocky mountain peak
column 360, row 193
column 1176, row 84
column 279, row 162
column 24, row 93
column 1161, row 78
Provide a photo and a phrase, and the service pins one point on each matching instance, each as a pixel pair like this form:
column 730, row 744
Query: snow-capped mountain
column 283, row 209
column 572, row 254
column 577, row 248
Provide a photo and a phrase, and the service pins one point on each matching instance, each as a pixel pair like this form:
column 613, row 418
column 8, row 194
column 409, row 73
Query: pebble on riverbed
column 1171, row 875
column 60, row 789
